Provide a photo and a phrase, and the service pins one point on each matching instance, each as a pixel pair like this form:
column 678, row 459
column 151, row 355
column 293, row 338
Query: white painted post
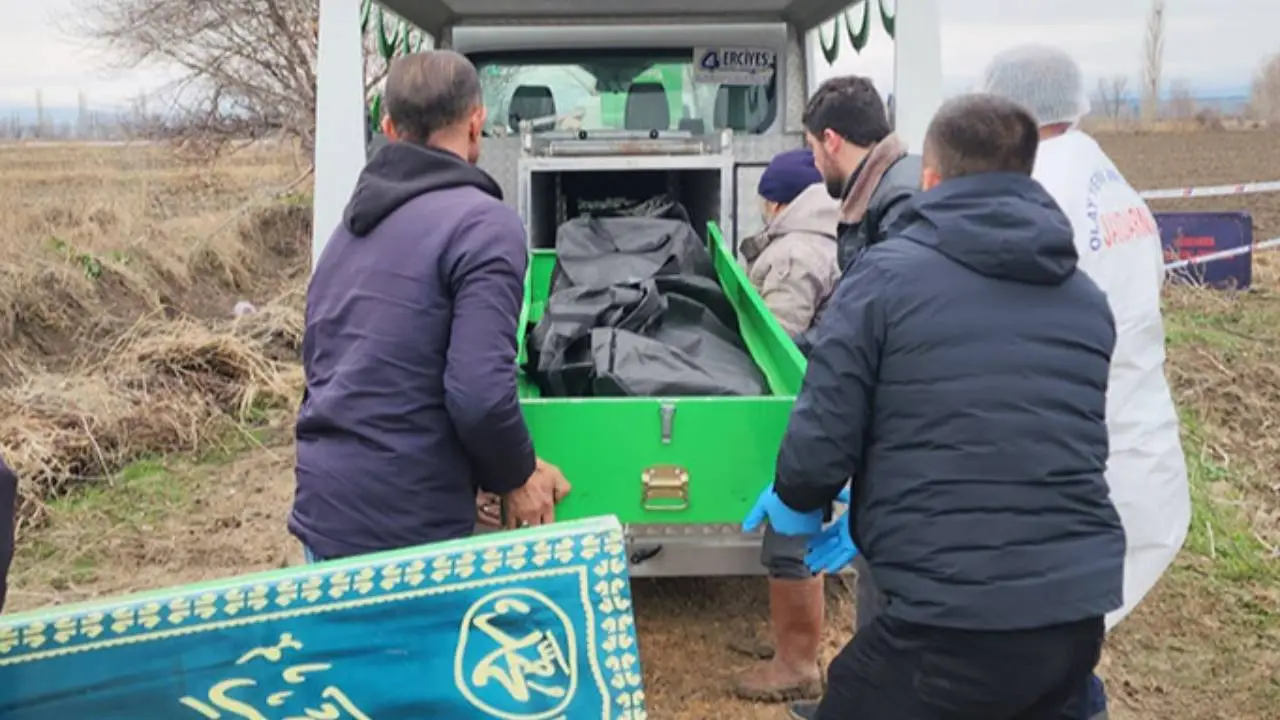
column 340, row 108
column 917, row 78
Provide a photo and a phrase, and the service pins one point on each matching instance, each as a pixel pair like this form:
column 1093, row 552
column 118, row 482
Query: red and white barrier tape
column 1212, row 191
column 1223, row 254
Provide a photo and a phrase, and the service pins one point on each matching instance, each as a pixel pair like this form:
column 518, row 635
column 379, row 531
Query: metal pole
column 917, row 77
column 340, row 112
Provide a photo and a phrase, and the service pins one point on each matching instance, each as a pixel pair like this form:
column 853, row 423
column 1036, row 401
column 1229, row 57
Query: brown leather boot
column 795, row 609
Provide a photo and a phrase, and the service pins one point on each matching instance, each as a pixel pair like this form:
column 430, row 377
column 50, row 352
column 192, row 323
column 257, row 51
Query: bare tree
column 247, row 66
column 1112, row 93
column 1153, row 61
column 1182, row 102
column 1264, row 98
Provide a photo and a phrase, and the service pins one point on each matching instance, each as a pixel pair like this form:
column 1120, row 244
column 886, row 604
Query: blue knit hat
column 788, row 175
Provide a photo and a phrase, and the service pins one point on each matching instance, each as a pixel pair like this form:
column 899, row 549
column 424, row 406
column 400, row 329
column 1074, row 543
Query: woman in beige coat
column 792, row 263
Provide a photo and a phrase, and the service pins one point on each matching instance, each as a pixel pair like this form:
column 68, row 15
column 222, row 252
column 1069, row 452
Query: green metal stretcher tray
column 668, row 460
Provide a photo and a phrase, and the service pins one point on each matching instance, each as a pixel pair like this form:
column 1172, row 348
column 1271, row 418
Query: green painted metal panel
column 727, row 446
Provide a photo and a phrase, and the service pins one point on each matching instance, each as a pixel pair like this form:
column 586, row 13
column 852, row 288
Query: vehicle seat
column 530, row 102
column 731, row 107
column 647, row 107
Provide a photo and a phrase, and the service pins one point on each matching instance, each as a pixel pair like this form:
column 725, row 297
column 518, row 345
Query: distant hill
column 62, row 123
column 55, row 115
column 1227, row 104
column 1226, row 99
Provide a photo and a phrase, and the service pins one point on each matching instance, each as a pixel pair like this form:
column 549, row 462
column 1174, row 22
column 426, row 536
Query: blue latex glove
column 832, row 549
column 782, row 519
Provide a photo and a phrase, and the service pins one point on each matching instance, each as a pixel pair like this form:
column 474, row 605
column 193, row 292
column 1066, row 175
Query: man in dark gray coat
column 863, row 162
column 959, row 377
column 412, row 317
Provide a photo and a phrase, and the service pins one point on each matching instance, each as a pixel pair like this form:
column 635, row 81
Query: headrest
column 647, row 107
column 530, row 102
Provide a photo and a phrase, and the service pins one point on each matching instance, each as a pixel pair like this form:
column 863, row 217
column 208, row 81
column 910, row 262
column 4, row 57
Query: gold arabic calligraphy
column 531, row 659
column 336, row 705
column 516, row 667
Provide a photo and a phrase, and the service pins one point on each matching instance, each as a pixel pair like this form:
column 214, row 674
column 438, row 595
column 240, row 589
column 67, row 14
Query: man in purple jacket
column 8, row 506
column 410, row 346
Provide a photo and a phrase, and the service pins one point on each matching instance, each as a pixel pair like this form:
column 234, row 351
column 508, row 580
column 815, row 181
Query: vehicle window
column 616, row 90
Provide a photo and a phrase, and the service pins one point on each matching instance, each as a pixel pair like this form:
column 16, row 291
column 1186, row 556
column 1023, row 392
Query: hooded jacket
column 792, row 261
column 959, row 376
column 410, row 359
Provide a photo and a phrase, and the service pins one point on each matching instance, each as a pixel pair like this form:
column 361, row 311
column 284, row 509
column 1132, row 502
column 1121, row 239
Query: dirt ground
column 145, row 509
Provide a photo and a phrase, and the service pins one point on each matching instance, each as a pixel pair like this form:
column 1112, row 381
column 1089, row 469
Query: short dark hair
column 851, row 107
column 429, row 91
column 981, row 133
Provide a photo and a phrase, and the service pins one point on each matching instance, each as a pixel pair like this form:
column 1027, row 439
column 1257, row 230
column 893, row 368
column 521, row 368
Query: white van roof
column 434, row 15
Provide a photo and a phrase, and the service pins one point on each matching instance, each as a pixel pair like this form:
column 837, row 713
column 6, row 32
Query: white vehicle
column 689, row 98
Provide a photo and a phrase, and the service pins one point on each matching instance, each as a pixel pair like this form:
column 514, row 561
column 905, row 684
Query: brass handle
column 665, row 488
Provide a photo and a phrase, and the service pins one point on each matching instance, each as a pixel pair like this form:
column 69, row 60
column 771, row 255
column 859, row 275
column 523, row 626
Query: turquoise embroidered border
column 593, row 549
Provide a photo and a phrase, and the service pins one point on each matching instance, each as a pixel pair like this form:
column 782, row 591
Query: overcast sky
column 1210, row 43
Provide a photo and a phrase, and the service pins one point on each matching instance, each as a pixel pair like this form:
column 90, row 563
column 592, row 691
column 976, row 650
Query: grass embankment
column 119, row 270
column 1206, row 643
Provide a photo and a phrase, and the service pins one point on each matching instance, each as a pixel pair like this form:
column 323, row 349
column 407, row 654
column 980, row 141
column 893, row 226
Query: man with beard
column 863, row 163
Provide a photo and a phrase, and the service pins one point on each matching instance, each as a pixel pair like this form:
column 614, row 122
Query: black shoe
column 806, row 710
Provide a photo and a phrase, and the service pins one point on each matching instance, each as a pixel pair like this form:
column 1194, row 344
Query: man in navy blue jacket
column 959, row 377
column 411, row 333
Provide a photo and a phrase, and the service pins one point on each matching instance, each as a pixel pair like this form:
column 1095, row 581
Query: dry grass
column 120, row 350
column 119, row 269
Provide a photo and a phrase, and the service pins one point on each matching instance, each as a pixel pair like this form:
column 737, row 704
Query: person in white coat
column 1119, row 247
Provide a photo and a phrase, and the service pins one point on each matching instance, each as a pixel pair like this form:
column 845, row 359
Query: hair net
column 1042, row 79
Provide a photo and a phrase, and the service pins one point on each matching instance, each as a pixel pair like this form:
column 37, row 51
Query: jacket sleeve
column 792, row 288
column 485, row 268
column 8, row 506
column 899, row 185
column 824, row 443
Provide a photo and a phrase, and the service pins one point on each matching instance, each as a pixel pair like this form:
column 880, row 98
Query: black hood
column 1002, row 225
column 400, row 172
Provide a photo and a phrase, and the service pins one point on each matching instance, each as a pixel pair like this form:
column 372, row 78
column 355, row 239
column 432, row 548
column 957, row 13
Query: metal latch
column 665, row 488
column 667, row 416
